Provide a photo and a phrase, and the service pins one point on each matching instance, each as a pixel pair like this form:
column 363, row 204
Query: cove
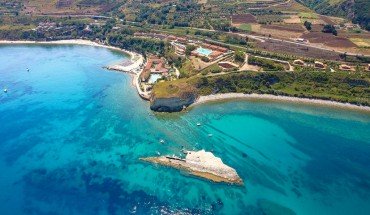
column 72, row 133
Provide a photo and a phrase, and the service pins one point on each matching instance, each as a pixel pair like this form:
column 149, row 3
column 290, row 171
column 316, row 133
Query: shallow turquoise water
column 71, row 135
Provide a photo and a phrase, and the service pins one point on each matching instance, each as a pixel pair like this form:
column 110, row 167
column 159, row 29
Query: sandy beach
column 69, row 42
column 134, row 68
column 136, row 58
column 231, row 96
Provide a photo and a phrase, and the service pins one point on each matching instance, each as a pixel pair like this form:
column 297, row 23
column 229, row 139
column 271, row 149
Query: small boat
column 210, row 135
column 5, row 90
column 28, row 69
column 161, row 140
column 198, row 124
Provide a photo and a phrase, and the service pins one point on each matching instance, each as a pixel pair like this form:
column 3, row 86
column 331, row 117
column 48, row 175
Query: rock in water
column 202, row 164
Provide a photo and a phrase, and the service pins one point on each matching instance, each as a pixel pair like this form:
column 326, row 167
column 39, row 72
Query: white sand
column 136, row 58
column 134, row 68
column 67, row 42
column 229, row 96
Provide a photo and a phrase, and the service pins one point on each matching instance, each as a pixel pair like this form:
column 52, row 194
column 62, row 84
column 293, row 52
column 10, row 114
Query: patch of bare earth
column 288, row 27
column 297, row 50
column 294, row 19
column 328, row 40
column 327, row 20
column 243, row 19
column 278, row 32
column 64, row 3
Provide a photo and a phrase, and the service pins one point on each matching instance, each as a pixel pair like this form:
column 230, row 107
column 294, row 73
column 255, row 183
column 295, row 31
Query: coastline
column 134, row 68
column 70, row 42
column 297, row 100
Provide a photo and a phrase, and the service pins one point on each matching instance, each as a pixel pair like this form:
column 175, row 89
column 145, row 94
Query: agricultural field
column 361, row 42
column 69, row 7
column 276, row 46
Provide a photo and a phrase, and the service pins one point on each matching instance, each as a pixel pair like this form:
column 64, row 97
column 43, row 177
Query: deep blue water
column 72, row 133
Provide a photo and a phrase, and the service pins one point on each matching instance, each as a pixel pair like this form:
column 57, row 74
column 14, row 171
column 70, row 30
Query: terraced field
column 69, row 7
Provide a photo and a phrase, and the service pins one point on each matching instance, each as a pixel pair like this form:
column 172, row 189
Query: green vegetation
column 306, row 15
column 357, row 10
column 245, row 27
column 214, row 68
column 308, row 25
column 330, row 29
column 266, row 64
column 362, row 13
column 189, row 49
column 339, row 86
column 239, row 56
column 187, row 69
column 209, row 22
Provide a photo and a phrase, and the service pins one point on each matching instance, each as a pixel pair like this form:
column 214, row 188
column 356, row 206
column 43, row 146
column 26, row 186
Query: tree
column 330, row 29
column 308, row 25
column 189, row 49
column 239, row 56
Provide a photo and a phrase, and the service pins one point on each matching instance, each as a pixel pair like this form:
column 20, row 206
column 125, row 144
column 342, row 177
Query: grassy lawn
column 245, row 27
column 306, row 15
column 214, row 68
column 174, row 88
column 187, row 69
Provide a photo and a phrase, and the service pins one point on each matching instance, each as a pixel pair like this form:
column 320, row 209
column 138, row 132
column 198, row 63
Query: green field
column 245, row 27
column 305, row 15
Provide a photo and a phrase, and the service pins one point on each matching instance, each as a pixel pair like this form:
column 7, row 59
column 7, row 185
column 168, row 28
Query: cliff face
column 172, row 104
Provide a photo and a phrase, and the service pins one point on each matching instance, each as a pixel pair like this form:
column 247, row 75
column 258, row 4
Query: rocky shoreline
column 201, row 164
column 172, row 104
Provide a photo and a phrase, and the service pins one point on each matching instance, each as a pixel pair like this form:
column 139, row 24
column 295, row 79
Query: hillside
column 70, row 7
column 356, row 10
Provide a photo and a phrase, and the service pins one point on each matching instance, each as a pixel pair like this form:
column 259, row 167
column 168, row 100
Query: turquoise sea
column 72, row 133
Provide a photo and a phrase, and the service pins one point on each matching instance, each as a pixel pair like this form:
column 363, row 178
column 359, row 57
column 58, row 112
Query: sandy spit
column 231, row 96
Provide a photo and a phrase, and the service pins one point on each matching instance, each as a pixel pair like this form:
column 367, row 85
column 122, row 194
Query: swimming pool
column 153, row 78
column 203, row 51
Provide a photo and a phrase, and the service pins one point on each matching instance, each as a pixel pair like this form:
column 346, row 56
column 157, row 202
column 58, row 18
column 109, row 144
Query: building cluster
column 316, row 64
column 180, row 49
column 154, row 65
column 180, row 43
column 215, row 51
column 320, row 65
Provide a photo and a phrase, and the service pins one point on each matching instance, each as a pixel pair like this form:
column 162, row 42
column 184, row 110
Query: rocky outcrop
column 172, row 104
column 201, row 164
